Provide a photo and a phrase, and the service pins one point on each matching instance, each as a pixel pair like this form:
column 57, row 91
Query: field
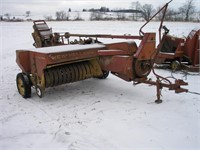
column 93, row 114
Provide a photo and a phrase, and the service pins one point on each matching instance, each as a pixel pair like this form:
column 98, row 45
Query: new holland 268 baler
column 54, row 63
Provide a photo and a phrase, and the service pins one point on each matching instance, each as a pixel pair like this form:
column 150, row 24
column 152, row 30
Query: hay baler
column 54, row 64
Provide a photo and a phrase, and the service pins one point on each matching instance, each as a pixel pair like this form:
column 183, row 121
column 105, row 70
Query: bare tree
column 187, row 10
column 160, row 15
column 28, row 13
column 147, row 11
column 48, row 18
column 78, row 17
column 58, row 15
column 170, row 14
column 198, row 16
column 62, row 15
column 121, row 16
column 137, row 7
column 96, row 15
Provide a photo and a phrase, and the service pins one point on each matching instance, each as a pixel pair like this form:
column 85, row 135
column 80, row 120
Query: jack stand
column 158, row 88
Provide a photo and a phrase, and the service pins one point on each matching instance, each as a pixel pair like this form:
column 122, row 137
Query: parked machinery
column 180, row 52
column 52, row 65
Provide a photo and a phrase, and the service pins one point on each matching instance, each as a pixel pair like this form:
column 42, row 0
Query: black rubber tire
column 23, row 85
column 105, row 75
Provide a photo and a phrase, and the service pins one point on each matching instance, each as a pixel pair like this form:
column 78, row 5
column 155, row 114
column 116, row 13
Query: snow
column 65, row 48
column 95, row 114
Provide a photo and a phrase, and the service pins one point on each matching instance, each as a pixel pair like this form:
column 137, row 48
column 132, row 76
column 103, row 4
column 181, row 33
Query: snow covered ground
column 108, row 114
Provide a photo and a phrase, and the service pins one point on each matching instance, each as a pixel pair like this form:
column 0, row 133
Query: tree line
column 136, row 12
column 186, row 12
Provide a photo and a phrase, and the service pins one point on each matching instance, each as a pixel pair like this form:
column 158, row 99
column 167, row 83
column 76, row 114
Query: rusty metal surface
column 178, row 49
column 119, row 65
column 23, row 61
column 142, row 68
column 192, row 46
column 53, row 66
column 171, row 48
column 35, row 62
column 146, row 49
column 43, row 35
column 104, row 36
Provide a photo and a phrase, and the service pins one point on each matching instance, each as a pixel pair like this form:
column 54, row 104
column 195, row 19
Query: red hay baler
column 55, row 62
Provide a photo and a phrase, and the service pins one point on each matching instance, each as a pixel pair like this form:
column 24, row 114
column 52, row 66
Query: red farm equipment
column 180, row 53
column 55, row 62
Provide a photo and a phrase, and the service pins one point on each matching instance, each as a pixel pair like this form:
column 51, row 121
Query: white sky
column 39, row 7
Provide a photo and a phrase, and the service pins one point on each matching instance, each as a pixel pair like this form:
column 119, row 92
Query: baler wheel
column 39, row 91
column 175, row 65
column 23, row 85
column 105, row 74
